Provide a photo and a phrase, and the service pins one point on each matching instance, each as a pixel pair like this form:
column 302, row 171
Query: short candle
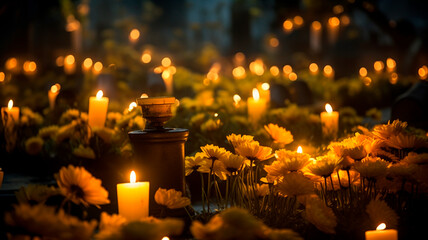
column 329, row 122
column 381, row 234
column 98, row 110
column 133, row 199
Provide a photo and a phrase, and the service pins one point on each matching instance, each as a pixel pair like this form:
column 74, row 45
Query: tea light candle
column 10, row 114
column 256, row 107
column 52, row 94
column 97, row 110
column 329, row 122
column 133, row 199
column 381, row 234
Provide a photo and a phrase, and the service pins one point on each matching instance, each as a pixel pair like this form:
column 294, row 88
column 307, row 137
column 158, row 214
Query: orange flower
column 171, row 198
column 279, row 134
column 253, row 151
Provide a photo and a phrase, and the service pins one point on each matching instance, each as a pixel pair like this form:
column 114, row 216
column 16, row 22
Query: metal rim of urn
column 156, row 110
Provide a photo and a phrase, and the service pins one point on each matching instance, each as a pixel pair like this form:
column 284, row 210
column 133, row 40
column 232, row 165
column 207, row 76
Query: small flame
column 144, row 95
column 300, row 149
column 215, row 114
column 381, row 226
column 132, row 106
column 236, row 98
column 55, row 88
column 132, row 177
column 99, row 94
column 10, row 104
column 328, row 108
column 69, row 59
column 256, row 94
column 265, row 86
column 165, row 238
column 87, row 63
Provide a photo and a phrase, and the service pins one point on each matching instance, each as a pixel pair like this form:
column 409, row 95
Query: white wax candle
column 97, row 110
column 256, row 107
column 10, row 114
column 329, row 122
column 133, row 199
column 381, row 234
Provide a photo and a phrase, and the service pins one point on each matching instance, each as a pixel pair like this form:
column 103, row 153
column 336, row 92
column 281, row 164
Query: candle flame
column 10, row 104
column 54, row 88
column 69, row 59
column 363, row 72
column 300, row 149
column 87, row 63
column 166, row 62
column 378, row 66
column 265, row 86
column 132, row 106
column 215, row 114
column 381, row 226
column 236, row 98
column 134, row 35
column 274, row 70
column 328, row 108
column 144, row 95
column 316, row 25
column 313, row 68
column 132, row 177
column 165, row 238
column 256, row 94
column 98, row 66
column 99, row 94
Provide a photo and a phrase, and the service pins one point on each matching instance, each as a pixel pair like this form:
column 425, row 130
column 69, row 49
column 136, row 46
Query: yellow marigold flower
column 292, row 160
column 209, row 125
column 279, row 134
column 215, row 167
column 138, row 122
column 35, row 193
column 79, row 186
column 65, row 132
column 385, row 131
column 48, row 132
column 324, row 166
column 49, row 223
column 354, row 147
column 233, row 163
column 106, row 134
column 31, row 118
column 237, row 140
column 275, row 171
column 343, row 176
column 403, row 141
column 84, row 152
column 110, row 226
column 193, row 163
column 321, row 216
column 34, row 145
column 371, row 167
column 171, row 198
column 253, row 151
column 69, row 115
column 214, row 152
column 295, row 184
column 262, row 190
column 380, row 212
column 403, row 170
column 414, row 158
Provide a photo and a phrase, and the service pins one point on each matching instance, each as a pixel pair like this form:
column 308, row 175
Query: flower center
column 77, row 191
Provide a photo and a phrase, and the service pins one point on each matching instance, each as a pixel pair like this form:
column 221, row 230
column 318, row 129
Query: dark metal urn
column 159, row 151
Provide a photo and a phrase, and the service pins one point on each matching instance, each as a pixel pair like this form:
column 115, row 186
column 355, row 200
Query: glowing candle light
column 256, row 107
column 134, row 35
column 165, row 238
column 264, row 91
column 287, row 69
column 423, row 72
column 381, row 234
column 98, row 67
column 393, row 78
column 166, row 62
column 313, row 68
column 12, row 65
column 87, row 64
column 69, row 64
column 328, row 72
column 299, row 149
column 144, row 95
column 274, row 70
column 378, row 66
column 288, row 26
column 298, row 21
column 274, row 42
column 133, row 199
column 363, row 72
column 132, row 106
column 257, row 67
column 167, row 79
column 329, row 122
column 315, row 36
column 2, row 76
column 239, row 59
column 292, row 76
column 238, row 72
column 29, row 67
column 236, row 100
column 97, row 110
column 333, row 29
column 10, row 114
column 146, row 57
column 52, row 94
column 390, row 65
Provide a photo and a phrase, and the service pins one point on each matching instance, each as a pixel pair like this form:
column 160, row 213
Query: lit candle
column 381, row 234
column 328, row 72
column 313, row 69
column 378, row 66
column 87, row 65
column 69, row 64
column 97, row 110
column 315, row 36
column 363, row 72
column 10, row 114
column 133, row 199
column 423, row 72
column 98, row 67
column 288, row 26
column 30, row 68
column 329, row 122
column 333, row 29
column 52, row 94
column 264, row 91
column 134, row 35
column 299, row 149
column 390, row 65
column 256, row 107
column 236, row 100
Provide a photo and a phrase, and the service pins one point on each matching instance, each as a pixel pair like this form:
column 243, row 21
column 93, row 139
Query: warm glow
column 165, row 238
column 172, row 70
column 238, row 72
column 2, row 76
column 134, row 35
column 328, row 70
column 236, row 98
column 55, row 88
column 59, row 61
column 274, row 70
column 287, row 69
column 288, row 25
column 367, row 81
column 423, row 72
column 166, row 75
column 132, row 106
column 11, row 63
column 274, row 42
column 99, row 94
column 87, row 63
column 144, row 95
column 363, row 72
column 10, row 104
column 298, row 20
column 393, row 78
column 215, row 114
column 381, row 226
column 256, row 94
column 316, row 25
column 69, row 59
column 328, row 108
column 390, row 63
column 334, row 21
column 265, row 86
column 239, row 57
column 132, row 177
column 98, row 66
column 213, row 76
column 338, row 9
column 292, row 76
column 30, row 66
column 345, row 20
column 257, row 67
column 300, row 149
column 146, row 57
column 313, row 67
column 166, row 62
column 378, row 66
